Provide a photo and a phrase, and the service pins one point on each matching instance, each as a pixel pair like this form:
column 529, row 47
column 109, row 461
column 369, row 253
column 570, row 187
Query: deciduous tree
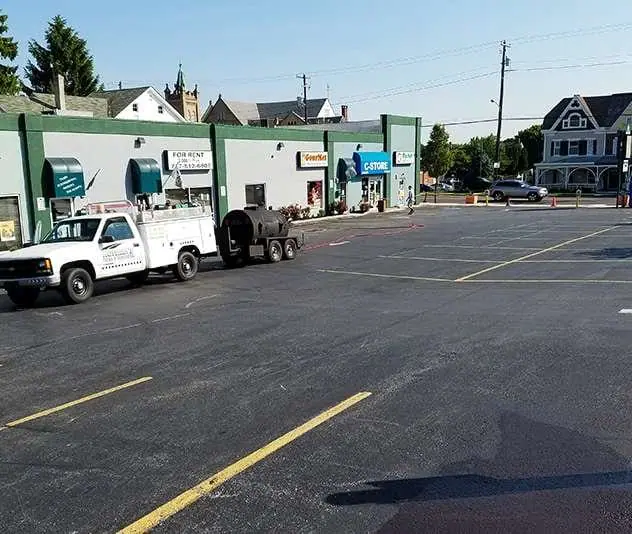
column 437, row 154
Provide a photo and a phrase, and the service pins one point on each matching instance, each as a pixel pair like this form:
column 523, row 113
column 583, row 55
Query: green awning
column 146, row 176
column 64, row 177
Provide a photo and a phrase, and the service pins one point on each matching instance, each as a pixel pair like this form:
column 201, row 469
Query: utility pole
column 304, row 78
column 504, row 63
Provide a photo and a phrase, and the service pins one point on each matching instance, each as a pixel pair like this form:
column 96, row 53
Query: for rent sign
column 189, row 160
column 313, row 160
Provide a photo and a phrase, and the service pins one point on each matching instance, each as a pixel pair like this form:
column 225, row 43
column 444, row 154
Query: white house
column 139, row 103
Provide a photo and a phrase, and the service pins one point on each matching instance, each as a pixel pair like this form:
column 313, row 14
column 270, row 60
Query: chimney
column 60, row 93
column 344, row 111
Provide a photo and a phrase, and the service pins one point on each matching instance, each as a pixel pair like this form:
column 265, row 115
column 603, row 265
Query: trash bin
column 380, row 206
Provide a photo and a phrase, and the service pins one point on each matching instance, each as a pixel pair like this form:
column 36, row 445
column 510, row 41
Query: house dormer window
column 160, row 110
column 574, row 120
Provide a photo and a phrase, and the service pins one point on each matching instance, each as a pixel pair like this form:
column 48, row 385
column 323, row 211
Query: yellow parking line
column 522, row 258
column 179, row 503
column 70, row 404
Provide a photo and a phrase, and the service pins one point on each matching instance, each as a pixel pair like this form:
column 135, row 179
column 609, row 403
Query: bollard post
column 486, row 197
column 578, row 195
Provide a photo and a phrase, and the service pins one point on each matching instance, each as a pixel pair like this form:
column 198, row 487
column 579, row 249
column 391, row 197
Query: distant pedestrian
column 410, row 200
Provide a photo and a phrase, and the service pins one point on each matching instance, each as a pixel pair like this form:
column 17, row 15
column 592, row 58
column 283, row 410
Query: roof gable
column 120, row 99
column 603, row 111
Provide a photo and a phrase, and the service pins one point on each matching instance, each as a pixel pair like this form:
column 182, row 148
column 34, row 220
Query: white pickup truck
column 81, row 250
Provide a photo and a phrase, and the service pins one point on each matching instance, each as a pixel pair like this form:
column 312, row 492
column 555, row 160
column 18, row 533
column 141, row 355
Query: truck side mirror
column 106, row 239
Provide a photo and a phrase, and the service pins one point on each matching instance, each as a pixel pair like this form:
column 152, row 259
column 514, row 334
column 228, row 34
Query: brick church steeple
column 186, row 102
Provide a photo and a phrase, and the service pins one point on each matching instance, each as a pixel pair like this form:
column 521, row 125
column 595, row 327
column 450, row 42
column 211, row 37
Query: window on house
column 556, row 148
column 573, row 148
column 160, row 110
column 594, row 146
column 611, row 144
column 134, row 107
column 574, row 120
column 256, row 195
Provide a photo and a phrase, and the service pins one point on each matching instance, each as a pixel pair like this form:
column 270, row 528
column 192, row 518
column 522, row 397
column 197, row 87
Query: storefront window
column 256, row 195
column 191, row 196
column 315, row 194
column 10, row 228
column 61, row 208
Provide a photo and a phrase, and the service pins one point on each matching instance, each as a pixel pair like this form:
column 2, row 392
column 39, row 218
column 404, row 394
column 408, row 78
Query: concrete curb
column 302, row 222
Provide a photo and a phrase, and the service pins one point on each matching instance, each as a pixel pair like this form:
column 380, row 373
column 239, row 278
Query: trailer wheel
column 77, row 285
column 23, row 297
column 187, row 267
column 289, row 249
column 275, row 251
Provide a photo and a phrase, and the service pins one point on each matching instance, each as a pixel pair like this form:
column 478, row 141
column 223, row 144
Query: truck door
column 121, row 249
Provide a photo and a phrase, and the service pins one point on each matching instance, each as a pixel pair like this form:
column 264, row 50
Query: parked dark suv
column 517, row 189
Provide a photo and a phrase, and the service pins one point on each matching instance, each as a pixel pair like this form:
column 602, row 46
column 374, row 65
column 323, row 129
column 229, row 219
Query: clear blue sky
column 252, row 50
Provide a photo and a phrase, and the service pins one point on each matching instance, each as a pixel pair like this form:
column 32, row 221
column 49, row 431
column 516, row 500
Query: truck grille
column 14, row 269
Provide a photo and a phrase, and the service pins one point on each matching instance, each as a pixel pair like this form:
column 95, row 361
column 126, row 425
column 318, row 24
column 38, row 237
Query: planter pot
column 471, row 199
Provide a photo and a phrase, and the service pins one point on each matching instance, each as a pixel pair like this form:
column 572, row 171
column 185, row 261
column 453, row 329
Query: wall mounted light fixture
column 280, row 146
column 139, row 141
column 359, row 147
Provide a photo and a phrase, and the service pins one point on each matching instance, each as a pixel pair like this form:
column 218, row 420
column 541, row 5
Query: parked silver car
column 517, row 189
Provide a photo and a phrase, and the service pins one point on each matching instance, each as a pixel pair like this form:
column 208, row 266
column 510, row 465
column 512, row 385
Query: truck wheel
column 187, row 267
column 77, row 285
column 23, row 297
column 275, row 251
column 289, row 249
column 139, row 278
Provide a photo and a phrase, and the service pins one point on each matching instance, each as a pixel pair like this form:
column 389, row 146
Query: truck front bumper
column 43, row 282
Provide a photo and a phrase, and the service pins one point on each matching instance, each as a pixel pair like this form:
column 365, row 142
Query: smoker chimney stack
column 344, row 111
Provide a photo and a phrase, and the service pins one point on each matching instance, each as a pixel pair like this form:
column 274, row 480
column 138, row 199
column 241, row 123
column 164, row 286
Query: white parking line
column 457, row 260
column 376, row 275
column 626, row 311
column 339, row 243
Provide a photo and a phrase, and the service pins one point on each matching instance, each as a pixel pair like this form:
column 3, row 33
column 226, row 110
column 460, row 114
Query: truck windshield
column 73, row 230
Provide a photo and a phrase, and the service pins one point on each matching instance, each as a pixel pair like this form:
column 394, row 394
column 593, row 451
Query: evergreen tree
column 9, row 81
column 65, row 53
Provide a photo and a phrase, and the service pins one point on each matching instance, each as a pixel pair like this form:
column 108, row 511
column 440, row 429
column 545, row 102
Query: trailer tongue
column 256, row 233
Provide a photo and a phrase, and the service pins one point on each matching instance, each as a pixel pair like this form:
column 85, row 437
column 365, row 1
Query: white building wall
column 251, row 162
column 111, row 154
column 12, row 178
column 148, row 110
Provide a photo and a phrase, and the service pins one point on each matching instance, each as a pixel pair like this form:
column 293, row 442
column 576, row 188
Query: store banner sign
column 313, row 160
column 189, row 160
column 404, row 158
column 370, row 163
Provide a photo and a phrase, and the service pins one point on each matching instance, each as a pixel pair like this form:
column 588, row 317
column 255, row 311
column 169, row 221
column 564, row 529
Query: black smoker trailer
column 255, row 232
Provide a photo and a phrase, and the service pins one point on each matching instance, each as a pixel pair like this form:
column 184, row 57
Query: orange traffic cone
column 554, row 202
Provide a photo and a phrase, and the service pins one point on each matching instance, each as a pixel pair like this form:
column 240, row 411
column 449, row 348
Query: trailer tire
column 289, row 249
column 23, row 297
column 275, row 251
column 139, row 278
column 187, row 267
column 77, row 285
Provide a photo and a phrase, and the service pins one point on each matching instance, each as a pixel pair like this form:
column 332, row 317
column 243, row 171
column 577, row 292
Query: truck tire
column 289, row 249
column 275, row 251
column 77, row 285
column 139, row 278
column 23, row 297
column 187, row 267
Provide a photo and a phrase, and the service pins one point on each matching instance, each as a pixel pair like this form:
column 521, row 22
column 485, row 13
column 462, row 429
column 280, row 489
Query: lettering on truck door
column 121, row 251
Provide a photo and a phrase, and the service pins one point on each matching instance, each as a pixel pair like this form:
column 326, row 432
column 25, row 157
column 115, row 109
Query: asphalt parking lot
column 459, row 370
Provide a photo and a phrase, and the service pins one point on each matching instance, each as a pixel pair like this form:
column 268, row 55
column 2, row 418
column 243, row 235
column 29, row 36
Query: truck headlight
column 45, row 266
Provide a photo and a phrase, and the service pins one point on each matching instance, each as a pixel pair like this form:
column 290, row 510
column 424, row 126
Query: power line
column 505, row 119
column 409, row 60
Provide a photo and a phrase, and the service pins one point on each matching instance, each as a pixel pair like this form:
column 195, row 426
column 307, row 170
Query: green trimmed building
column 52, row 166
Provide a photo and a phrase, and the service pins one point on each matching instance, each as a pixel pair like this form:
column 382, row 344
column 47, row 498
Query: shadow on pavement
column 609, row 253
column 543, row 478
